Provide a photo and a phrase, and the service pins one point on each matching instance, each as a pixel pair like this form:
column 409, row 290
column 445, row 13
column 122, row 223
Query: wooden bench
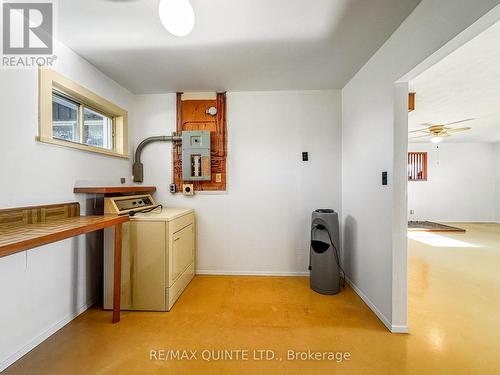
column 29, row 227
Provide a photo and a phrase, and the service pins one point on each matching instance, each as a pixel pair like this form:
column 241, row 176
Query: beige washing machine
column 158, row 253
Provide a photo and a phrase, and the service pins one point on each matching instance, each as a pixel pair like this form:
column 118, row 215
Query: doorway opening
column 453, row 194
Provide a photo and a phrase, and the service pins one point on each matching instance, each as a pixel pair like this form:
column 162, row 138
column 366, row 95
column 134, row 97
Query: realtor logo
column 27, row 28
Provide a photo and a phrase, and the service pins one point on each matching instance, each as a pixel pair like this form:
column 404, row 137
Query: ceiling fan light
column 436, row 140
column 177, row 16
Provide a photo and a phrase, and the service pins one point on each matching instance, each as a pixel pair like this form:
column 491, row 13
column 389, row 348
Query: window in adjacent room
column 417, row 166
column 73, row 116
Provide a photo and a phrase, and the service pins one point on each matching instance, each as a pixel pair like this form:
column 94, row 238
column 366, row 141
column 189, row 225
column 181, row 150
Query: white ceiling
column 465, row 84
column 235, row 45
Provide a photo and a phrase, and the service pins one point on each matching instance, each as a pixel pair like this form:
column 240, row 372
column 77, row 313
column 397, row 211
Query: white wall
column 261, row 224
column 43, row 288
column 496, row 169
column 460, row 186
column 369, row 142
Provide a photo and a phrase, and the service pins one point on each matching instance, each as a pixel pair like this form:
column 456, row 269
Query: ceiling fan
column 438, row 132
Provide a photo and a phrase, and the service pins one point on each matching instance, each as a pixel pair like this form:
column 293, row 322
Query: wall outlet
column 171, row 188
column 218, row 177
column 412, row 212
column 188, row 189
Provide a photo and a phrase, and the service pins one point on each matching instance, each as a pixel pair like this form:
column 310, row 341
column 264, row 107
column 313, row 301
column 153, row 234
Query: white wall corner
column 392, row 328
column 400, row 209
column 43, row 336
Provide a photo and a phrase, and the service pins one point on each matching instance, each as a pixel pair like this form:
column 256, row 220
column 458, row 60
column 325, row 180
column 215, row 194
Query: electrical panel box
column 196, row 163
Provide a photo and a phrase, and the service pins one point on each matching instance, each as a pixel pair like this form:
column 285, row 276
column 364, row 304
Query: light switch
column 384, row 178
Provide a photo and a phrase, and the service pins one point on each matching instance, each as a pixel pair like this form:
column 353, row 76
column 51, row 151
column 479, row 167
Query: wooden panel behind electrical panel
column 191, row 115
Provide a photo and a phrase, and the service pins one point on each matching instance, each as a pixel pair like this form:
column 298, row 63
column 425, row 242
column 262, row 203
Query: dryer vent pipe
column 138, row 167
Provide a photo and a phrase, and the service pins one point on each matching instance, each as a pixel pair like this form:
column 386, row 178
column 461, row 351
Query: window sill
column 82, row 147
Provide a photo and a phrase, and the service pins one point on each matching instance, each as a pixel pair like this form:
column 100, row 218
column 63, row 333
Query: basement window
column 73, row 116
column 417, row 166
column 75, row 122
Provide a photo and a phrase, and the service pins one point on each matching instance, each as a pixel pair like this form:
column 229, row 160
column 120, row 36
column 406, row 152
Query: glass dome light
column 436, row 140
column 177, row 16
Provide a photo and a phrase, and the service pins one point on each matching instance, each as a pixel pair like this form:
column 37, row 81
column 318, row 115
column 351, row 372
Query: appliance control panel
column 123, row 205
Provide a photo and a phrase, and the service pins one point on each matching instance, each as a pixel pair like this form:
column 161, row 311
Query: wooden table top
column 114, row 189
column 14, row 239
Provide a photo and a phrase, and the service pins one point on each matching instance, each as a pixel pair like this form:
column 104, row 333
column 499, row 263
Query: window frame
column 77, row 109
column 423, row 162
column 113, row 124
column 52, row 82
column 81, row 119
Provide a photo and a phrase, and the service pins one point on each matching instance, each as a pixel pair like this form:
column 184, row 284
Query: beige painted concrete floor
column 454, row 304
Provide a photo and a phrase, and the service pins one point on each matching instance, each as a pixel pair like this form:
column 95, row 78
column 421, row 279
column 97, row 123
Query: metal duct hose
column 138, row 167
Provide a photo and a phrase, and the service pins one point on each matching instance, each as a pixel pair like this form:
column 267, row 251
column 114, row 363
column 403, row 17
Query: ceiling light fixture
column 177, row 16
column 436, row 140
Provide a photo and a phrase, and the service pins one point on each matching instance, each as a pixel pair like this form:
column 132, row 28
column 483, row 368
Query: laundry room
column 218, row 187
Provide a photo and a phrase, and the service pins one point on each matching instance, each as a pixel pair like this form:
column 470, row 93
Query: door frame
column 400, row 194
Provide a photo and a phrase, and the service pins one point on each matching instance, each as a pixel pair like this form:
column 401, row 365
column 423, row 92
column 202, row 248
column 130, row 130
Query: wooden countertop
column 14, row 239
column 113, row 189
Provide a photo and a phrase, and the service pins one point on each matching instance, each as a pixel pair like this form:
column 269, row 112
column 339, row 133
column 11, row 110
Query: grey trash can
column 324, row 262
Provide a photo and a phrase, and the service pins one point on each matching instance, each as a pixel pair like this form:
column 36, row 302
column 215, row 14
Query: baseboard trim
column 377, row 312
column 399, row 329
column 43, row 336
column 249, row 273
column 464, row 222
